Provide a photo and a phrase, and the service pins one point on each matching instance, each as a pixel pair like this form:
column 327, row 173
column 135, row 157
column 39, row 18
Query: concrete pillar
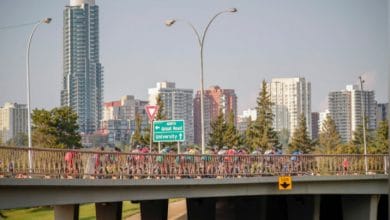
column 154, row 209
column 383, row 208
column 360, row 207
column 108, row 210
column 201, row 208
column 317, row 207
column 66, row 212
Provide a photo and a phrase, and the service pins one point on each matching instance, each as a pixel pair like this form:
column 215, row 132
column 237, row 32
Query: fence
column 60, row 163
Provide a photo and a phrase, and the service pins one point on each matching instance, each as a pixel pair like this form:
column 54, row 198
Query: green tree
column 218, row 128
column 231, row 136
column 300, row 139
column 347, row 148
column 284, row 137
column 145, row 140
column 56, row 128
column 266, row 137
column 20, row 139
column 161, row 110
column 381, row 145
column 250, row 134
column 358, row 137
column 136, row 136
column 329, row 137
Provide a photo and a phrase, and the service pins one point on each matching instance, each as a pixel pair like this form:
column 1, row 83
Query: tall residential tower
column 345, row 108
column 82, row 74
column 215, row 99
column 291, row 98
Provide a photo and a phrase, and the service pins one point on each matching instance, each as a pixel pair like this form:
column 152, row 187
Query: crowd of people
column 140, row 162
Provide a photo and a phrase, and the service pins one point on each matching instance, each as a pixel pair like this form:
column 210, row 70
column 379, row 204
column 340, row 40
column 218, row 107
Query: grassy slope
column 87, row 212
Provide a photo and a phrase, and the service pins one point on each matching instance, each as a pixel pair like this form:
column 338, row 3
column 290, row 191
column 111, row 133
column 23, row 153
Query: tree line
column 58, row 128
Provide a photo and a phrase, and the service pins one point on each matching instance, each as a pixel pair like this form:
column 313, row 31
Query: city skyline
column 330, row 44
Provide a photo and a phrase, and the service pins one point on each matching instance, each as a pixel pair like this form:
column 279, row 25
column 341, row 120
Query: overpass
column 247, row 187
column 355, row 197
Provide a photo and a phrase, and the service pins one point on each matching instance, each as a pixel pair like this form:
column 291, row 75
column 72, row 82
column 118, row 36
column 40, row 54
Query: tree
column 20, row 139
column 218, row 128
column 56, row 128
column 347, row 148
column 358, row 137
column 146, row 136
column 161, row 112
column 265, row 134
column 250, row 135
column 300, row 139
column 137, row 137
column 231, row 136
column 284, row 137
column 329, row 137
column 381, row 138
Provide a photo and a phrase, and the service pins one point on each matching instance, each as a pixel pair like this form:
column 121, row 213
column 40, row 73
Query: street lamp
column 364, row 123
column 201, row 39
column 43, row 21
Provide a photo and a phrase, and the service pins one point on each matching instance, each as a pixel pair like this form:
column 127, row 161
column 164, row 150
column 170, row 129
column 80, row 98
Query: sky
column 329, row 42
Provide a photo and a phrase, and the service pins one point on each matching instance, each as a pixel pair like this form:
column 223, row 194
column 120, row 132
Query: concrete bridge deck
column 17, row 193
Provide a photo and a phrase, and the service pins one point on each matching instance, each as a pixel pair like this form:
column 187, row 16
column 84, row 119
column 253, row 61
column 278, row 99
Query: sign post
column 151, row 110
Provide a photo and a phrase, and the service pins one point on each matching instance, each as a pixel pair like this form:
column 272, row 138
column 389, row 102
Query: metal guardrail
column 63, row 163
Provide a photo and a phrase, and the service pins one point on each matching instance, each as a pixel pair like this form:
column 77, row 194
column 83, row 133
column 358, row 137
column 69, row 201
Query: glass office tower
column 82, row 75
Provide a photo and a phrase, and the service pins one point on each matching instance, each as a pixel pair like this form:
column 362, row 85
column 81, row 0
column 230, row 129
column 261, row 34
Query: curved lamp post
column 43, row 21
column 201, row 39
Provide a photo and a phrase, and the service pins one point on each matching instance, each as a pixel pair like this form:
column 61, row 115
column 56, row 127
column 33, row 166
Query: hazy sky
column 329, row 42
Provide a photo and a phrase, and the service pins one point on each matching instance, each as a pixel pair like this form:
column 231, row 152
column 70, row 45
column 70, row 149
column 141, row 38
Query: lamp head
column 232, row 10
column 170, row 22
column 46, row 20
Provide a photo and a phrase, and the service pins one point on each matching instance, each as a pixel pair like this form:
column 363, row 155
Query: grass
column 87, row 212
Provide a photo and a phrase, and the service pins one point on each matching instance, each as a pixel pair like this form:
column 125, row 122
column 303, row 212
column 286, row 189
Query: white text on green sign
column 168, row 131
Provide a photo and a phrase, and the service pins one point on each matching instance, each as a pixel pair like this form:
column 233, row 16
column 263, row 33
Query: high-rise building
column 339, row 103
column 382, row 112
column 291, row 97
column 82, row 72
column 177, row 105
column 345, row 108
column 13, row 120
column 322, row 118
column 315, row 117
column 119, row 118
column 215, row 99
column 243, row 120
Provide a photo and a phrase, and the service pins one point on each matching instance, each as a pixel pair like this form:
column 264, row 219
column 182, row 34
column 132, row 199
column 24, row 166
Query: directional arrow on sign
column 284, row 185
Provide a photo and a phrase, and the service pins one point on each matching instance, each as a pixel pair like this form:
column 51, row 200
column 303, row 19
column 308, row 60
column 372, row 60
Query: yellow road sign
column 285, row 183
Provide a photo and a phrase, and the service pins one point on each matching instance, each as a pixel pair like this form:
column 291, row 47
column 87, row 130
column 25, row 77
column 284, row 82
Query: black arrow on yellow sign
column 284, row 185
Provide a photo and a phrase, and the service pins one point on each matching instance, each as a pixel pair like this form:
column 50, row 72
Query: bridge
column 215, row 186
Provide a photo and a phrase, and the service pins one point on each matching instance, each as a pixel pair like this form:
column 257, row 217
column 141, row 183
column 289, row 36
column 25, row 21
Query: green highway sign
column 168, row 131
